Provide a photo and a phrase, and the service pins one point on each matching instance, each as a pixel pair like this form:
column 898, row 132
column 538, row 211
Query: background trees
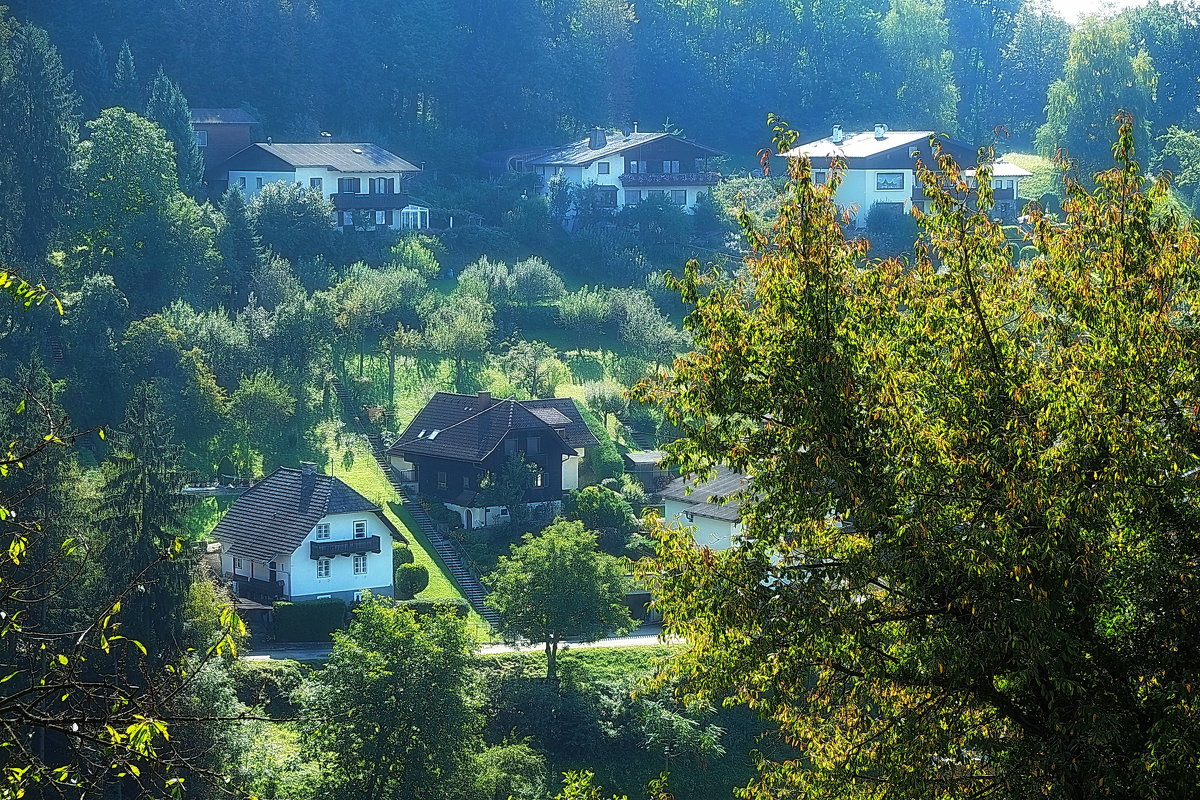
column 557, row 586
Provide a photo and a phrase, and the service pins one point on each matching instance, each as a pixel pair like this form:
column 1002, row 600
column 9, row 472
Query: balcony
column 344, row 201
column 254, row 587
column 634, row 179
column 343, row 547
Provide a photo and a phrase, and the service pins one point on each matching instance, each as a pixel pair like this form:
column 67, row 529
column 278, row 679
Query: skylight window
column 421, row 435
column 433, row 434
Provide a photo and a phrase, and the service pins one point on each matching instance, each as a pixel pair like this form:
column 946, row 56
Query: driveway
column 642, row 637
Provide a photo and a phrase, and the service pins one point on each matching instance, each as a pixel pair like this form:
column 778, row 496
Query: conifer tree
column 169, row 108
column 96, row 84
column 127, row 92
column 38, row 130
column 239, row 245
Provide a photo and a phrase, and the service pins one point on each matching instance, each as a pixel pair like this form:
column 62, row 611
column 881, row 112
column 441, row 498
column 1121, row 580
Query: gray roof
column 858, row 145
column 216, row 116
column 580, row 153
column 272, row 518
column 467, row 427
column 341, row 157
column 1003, row 169
column 704, row 498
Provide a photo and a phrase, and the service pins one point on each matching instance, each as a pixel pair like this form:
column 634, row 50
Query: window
column 654, row 194
column 679, row 197
column 360, row 529
column 237, row 563
column 322, row 531
column 689, row 516
column 349, row 185
column 539, row 480
column 316, row 183
column 671, row 166
column 504, row 511
column 258, row 182
column 360, row 564
column 380, row 218
column 348, row 218
column 633, row 197
column 534, row 444
column 635, row 167
column 272, row 565
column 242, row 181
column 324, row 596
column 1008, row 184
column 602, row 168
column 358, row 596
column 324, row 567
column 441, row 480
column 414, row 218
column 886, row 181
column 466, row 481
column 820, row 176
column 606, row 196
column 201, row 138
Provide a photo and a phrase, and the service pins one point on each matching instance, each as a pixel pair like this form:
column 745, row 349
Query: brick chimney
column 598, row 140
column 308, row 467
column 484, row 401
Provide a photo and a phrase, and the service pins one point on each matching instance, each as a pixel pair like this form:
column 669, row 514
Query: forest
column 967, row 565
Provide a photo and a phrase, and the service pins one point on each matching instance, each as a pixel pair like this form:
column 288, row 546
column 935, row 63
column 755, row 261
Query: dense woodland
column 914, row 423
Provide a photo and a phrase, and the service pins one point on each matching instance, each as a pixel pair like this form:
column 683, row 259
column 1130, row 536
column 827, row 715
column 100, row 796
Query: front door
column 469, row 525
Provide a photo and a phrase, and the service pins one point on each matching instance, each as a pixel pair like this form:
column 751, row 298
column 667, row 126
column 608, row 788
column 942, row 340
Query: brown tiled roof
column 702, row 495
column 470, row 428
column 272, row 518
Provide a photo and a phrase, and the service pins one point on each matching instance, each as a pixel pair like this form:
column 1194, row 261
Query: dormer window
column 322, row 531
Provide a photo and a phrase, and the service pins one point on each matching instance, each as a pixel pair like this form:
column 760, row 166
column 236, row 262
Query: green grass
column 367, row 479
column 202, row 516
column 594, row 664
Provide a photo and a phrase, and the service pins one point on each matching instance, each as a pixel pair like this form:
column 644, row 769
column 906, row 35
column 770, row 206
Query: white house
column 364, row 182
column 459, row 444
column 699, row 506
column 627, row 167
column 879, row 169
column 300, row 535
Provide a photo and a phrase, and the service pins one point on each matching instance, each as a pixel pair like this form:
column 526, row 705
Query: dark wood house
column 457, row 441
column 221, row 132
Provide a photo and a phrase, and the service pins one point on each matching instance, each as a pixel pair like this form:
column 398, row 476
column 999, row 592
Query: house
column 627, row 167
column 364, row 182
column 457, row 441
column 220, row 132
column 880, row 169
column 645, row 466
column 301, row 535
column 716, row 524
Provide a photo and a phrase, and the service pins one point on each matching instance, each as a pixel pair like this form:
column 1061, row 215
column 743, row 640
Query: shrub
column 892, row 231
column 401, row 554
column 308, row 621
column 411, row 580
column 603, row 460
column 459, row 606
column 267, row 684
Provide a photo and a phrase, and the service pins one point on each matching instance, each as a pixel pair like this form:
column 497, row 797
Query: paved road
column 643, row 636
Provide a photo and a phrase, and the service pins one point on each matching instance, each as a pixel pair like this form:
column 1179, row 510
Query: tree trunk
column 551, row 658
column 362, row 345
column 391, row 377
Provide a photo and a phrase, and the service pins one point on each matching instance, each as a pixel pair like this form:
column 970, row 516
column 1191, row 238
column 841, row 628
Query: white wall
column 251, row 188
column 715, row 534
column 378, row 578
column 570, row 472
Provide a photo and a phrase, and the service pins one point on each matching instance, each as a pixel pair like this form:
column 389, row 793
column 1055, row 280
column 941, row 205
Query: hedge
column 459, row 606
column 308, row 621
column 603, row 460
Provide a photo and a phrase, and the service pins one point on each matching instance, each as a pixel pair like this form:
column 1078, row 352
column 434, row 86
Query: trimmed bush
column 308, row 621
column 401, row 554
column 411, row 580
column 1028, row 253
column 421, row 608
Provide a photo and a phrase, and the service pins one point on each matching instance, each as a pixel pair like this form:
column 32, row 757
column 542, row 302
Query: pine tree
column 38, row 130
column 96, row 84
column 238, row 243
column 127, row 92
column 169, row 108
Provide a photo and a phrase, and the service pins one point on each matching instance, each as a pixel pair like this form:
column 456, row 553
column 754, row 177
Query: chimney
column 308, row 467
column 635, row 126
column 484, row 401
column 880, row 130
column 837, row 136
column 599, row 140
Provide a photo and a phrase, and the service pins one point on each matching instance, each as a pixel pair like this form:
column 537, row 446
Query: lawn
column 366, row 478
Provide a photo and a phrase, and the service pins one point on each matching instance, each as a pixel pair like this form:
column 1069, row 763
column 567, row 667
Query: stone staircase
column 449, row 554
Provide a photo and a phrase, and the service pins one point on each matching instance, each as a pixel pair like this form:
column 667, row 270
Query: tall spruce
column 143, row 515
column 96, row 82
column 39, row 126
column 126, row 89
column 239, row 245
column 169, row 108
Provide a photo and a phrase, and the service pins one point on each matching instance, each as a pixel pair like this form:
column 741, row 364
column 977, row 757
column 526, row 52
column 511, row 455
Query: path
column 645, row 636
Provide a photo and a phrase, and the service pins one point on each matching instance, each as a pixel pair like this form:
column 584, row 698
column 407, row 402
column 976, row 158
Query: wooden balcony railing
column 343, row 547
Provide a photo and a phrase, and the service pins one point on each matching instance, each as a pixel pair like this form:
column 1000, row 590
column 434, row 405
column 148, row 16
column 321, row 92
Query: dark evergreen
column 95, row 82
column 127, row 90
column 169, row 108
column 239, row 245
